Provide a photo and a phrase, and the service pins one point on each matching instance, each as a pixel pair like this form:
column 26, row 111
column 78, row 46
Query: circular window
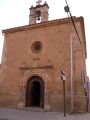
column 36, row 46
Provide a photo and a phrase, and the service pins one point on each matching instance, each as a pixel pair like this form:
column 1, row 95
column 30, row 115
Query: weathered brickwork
column 21, row 62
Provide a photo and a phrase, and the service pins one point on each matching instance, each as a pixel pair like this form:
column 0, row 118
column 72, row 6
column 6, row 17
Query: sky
column 14, row 13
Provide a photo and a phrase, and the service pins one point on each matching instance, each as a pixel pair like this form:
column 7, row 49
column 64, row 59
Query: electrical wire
column 73, row 22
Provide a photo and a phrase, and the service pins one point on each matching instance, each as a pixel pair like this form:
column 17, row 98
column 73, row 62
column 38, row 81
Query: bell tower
column 39, row 13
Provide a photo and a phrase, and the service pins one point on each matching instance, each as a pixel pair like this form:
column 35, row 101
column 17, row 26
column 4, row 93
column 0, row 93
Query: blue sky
column 15, row 13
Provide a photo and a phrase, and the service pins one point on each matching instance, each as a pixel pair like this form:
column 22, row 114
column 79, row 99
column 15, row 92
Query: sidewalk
column 15, row 114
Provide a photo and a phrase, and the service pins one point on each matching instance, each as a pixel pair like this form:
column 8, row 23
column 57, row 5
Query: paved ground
column 15, row 114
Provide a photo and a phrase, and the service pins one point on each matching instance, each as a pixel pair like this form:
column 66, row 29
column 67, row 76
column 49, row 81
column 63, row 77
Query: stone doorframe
column 29, row 86
column 45, row 73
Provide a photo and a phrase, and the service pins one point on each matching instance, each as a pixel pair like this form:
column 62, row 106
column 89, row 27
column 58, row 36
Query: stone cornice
column 39, row 67
column 43, row 24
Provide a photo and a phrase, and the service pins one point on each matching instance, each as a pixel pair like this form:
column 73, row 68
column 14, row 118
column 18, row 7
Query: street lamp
column 66, row 8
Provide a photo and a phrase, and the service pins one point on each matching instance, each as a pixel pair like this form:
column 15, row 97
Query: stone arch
column 35, row 92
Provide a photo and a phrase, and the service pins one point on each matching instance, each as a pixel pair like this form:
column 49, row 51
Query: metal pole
column 66, row 8
column 64, row 98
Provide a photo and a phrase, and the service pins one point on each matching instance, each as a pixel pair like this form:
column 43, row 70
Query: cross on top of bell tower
column 38, row 2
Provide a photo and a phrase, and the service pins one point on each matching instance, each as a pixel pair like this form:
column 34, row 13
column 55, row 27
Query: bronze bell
column 38, row 17
column 38, row 14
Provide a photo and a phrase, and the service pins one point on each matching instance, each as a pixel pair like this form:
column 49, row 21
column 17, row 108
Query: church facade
column 33, row 58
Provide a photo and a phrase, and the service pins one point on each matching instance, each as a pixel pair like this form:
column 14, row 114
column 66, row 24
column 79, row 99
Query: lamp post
column 66, row 8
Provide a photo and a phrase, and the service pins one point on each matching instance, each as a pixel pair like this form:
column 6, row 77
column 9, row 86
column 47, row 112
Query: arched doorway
column 35, row 92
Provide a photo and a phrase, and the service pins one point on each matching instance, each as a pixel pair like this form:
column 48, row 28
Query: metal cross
column 38, row 2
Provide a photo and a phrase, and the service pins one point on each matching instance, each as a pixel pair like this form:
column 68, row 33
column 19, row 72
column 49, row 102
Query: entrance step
column 34, row 109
